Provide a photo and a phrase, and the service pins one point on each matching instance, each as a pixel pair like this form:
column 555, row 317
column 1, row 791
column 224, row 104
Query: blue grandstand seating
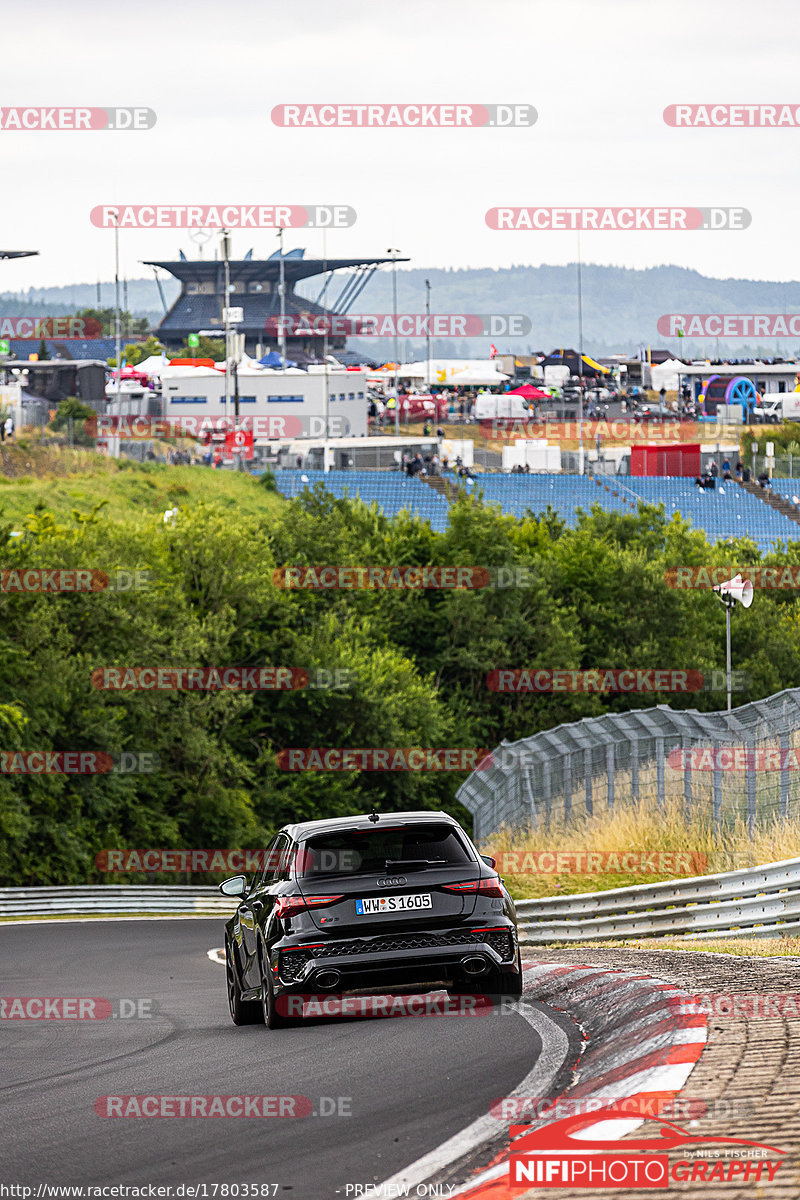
column 727, row 511
column 390, row 489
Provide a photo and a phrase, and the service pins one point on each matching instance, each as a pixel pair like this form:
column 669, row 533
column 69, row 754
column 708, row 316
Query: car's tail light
column 287, row 906
column 487, row 887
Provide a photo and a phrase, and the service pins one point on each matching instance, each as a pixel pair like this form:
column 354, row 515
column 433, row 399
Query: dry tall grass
column 645, row 829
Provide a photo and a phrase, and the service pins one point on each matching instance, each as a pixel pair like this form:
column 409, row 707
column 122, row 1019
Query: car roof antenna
column 374, row 817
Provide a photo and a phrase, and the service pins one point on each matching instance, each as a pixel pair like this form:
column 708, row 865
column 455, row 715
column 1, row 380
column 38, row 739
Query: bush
column 80, row 413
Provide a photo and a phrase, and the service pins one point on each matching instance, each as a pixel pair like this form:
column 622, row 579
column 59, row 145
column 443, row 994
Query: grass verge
column 777, row 947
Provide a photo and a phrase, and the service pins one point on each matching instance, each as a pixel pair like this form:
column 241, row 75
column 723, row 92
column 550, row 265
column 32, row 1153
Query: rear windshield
column 363, row 852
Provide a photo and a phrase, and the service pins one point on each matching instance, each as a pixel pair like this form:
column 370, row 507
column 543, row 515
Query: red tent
column 130, row 373
column 529, row 392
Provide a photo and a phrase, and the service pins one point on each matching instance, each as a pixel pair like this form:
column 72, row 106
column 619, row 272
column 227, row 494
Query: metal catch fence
column 722, row 766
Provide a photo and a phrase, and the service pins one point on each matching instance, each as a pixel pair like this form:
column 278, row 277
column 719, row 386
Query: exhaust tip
column 328, row 980
column 474, row 964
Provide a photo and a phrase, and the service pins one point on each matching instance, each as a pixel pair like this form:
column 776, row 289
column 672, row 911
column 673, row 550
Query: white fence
column 113, row 898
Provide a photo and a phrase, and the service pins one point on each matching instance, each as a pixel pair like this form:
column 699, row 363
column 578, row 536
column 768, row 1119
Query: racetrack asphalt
column 408, row 1083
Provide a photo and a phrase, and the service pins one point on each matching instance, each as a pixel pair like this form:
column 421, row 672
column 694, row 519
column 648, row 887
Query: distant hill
column 620, row 306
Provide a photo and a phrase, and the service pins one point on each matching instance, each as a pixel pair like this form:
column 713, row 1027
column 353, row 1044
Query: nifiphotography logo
column 557, row 1155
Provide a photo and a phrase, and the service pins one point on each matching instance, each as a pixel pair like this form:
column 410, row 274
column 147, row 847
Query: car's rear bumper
column 370, row 962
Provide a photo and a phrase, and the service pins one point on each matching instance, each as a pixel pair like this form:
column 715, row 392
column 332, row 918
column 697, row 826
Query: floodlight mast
column 735, row 591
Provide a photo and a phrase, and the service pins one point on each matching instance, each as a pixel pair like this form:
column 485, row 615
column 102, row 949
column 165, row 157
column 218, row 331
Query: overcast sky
column 599, row 74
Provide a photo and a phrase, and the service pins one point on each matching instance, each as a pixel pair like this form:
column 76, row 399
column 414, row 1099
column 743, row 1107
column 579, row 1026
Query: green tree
column 136, row 352
column 213, row 348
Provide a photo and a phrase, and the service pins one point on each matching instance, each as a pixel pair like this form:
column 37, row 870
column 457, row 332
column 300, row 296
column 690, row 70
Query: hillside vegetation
column 414, row 663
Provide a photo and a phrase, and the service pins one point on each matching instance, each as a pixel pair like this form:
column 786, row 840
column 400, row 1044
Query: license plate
column 383, row 904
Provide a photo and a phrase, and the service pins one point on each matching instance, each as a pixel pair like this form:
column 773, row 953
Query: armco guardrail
column 113, row 898
column 756, row 902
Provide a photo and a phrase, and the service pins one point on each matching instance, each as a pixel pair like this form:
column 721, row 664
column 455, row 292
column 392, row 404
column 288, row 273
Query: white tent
column 169, row 372
column 666, row 375
column 477, row 376
column 153, row 365
column 443, row 371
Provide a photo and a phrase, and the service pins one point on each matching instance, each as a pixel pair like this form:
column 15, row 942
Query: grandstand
column 255, row 289
column 391, row 490
column 727, row 511
column 73, row 349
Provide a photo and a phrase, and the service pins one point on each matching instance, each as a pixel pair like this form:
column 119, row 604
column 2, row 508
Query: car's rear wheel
column 243, row 1012
column 270, row 1015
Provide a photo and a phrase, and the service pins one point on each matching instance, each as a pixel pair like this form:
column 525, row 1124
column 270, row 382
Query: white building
column 200, row 392
column 768, row 377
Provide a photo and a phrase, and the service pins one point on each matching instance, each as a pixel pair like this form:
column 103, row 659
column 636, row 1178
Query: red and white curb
column 643, row 1037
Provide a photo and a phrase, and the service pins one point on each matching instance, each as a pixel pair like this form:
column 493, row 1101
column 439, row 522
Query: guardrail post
column 750, row 779
column 716, row 783
column 610, row 775
column 687, row 780
column 635, row 768
column 587, row 780
column 660, row 792
column 546, row 791
column 567, row 773
column 523, row 784
column 784, row 785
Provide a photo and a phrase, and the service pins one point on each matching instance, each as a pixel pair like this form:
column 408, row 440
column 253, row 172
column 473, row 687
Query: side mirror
column 236, row 887
column 490, row 862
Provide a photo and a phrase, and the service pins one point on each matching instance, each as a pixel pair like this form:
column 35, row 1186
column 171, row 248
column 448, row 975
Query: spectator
column 745, row 475
column 726, row 469
column 9, row 427
column 739, row 471
column 713, row 469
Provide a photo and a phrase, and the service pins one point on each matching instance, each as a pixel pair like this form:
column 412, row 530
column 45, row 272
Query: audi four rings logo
column 392, row 881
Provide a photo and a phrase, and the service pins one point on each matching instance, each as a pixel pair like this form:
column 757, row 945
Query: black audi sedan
column 395, row 902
